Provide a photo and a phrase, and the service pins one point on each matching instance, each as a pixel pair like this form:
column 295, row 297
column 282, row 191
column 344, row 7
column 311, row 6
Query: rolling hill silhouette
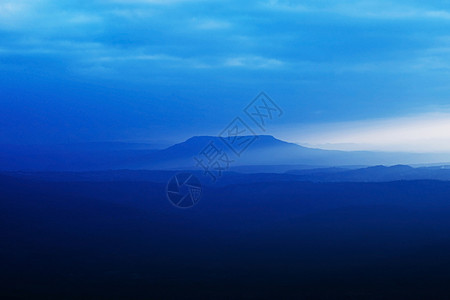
column 123, row 239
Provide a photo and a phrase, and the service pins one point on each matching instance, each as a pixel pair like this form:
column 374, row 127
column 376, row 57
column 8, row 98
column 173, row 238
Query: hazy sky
column 346, row 73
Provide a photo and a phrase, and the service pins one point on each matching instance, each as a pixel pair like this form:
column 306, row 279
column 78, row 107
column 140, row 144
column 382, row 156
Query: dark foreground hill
column 271, row 240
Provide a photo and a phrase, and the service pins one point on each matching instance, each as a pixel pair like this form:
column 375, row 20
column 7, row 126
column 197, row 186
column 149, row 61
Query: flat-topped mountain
column 267, row 150
column 254, row 152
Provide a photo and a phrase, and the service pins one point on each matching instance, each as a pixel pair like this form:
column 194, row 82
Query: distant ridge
column 268, row 150
column 264, row 150
column 368, row 174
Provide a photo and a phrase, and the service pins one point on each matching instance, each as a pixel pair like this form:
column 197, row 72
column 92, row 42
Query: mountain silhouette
column 267, row 150
column 249, row 153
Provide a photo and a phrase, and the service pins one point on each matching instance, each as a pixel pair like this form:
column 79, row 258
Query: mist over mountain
column 263, row 151
column 73, row 157
column 266, row 150
column 369, row 174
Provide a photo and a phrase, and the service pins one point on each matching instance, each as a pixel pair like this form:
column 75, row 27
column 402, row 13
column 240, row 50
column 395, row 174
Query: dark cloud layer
column 132, row 70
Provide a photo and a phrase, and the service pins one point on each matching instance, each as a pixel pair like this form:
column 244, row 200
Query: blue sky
column 144, row 70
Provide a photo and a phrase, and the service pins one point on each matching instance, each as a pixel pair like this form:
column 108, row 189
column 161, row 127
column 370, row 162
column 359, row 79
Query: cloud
column 43, row 17
column 132, row 13
column 214, row 37
column 14, row 13
column 153, row 2
column 287, row 6
column 143, row 57
column 253, row 62
column 210, row 24
column 84, row 19
column 348, row 59
column 361, row 9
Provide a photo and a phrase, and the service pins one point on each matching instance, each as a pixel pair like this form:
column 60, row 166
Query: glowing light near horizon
column 424, row 133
